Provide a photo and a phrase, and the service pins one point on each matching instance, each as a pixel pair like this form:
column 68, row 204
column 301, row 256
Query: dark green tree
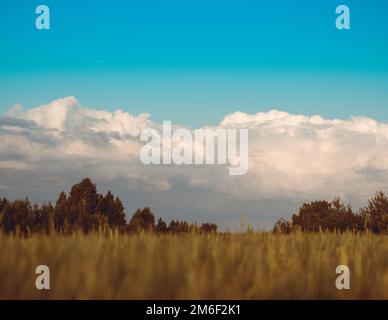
column 161, row 226
column 61, row 213
column 83, row 201
column 8, row 222
column 142, row 220
column 375, row 215
column 113, row 209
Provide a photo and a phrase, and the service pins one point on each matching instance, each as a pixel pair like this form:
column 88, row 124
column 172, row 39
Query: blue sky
column 192, row 62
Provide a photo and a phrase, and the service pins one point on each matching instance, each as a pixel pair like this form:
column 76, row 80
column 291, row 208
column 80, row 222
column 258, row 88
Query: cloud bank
column 292, row 158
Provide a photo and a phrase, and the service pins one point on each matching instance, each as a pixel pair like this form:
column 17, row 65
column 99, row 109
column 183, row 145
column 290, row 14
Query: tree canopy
column 84, row 209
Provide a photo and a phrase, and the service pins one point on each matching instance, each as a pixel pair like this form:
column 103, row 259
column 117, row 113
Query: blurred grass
column 194, row 266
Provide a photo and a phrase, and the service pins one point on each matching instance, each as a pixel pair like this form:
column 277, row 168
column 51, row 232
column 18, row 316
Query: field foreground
column 213, row 266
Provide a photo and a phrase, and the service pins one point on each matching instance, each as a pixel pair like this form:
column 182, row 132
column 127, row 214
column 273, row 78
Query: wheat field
column 195, row 266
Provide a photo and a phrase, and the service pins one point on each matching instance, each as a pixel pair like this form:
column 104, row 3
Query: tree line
column 335, row 215
column 84, row 209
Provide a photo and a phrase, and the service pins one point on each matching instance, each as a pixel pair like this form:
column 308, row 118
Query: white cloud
column 291, row 157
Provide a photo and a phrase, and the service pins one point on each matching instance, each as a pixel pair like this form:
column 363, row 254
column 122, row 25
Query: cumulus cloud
column 292, row 158
column 301, row 156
